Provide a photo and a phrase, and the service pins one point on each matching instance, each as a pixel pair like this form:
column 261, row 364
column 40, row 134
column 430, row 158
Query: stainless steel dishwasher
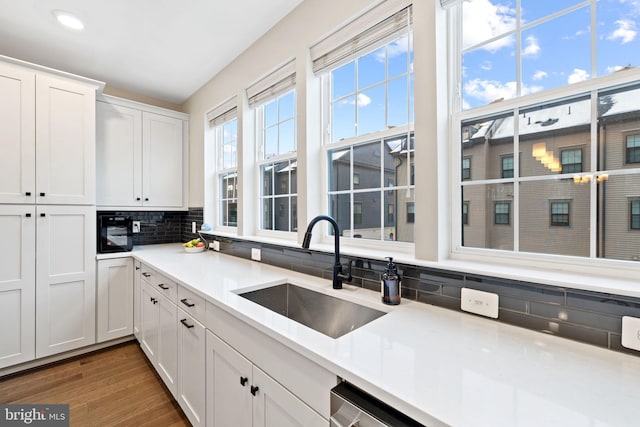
column 352, row 407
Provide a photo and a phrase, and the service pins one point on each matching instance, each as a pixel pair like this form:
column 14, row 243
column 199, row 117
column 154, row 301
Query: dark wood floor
column 112, row 387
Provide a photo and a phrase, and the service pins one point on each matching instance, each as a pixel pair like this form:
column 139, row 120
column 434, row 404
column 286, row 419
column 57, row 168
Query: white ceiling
column 165, row 49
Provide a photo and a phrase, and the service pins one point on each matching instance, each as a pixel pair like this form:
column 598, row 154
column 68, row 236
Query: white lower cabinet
column 137, row 285
column 191, row 368
column 17, row 284
column 159, row 335
column 115, row 298
column 65, row 278
column 241, row 394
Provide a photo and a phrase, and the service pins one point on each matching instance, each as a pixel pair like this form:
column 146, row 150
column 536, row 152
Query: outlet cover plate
column 631, row 332
column 478, row 302
column 215, row 245
column 136, row 226
column 256, row 254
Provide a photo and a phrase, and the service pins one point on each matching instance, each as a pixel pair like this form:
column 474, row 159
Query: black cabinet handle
column 163, row 286
column 146, row 199
column 184, row 322
column 43, row 214
column 243, row 381
column 185, row 302
column 153, row 300
column 146, row 274
column 254, row 390
column 42, row 194
column 28, row 193
column 137, row 268
column 28, row 215
column 137, row 199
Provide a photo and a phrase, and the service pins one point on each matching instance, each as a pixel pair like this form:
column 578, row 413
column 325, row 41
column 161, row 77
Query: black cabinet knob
column 28, row 193
column 243, row 381
column 137, row 268
column 146, row 199
column 28, row 215
column 42, row 194
column 138, row 199
column 254, row 390
column 43, row 214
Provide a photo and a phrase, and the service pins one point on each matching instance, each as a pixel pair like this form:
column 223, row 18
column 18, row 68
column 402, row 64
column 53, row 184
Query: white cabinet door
column 118, row 155
column 149, row 322
column 17, row 122
column 65, row 278
column 274, row 406
column 65, row 142
column 115, row 298
column 162, row 160
column 137, row 298
column 167, row 355
column 17, row 284
column 229, row 380
column 191, row 368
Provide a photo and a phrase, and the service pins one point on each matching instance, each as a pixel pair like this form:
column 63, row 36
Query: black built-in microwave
column 115, row 233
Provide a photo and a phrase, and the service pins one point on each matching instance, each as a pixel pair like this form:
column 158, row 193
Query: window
column 633, row 149
column 582, row 129
column 571, row 160
column 507, row 167
column 634, row 214
column 560, row 214
column 368, row 106
column 274, row 100
column 501, row 213
column 465, row 213
column 357, row 213
column 466, row 168
column 228, row 174
column 411, row 213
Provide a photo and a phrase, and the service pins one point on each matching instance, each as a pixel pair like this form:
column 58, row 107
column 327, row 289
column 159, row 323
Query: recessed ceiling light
column 68, row 20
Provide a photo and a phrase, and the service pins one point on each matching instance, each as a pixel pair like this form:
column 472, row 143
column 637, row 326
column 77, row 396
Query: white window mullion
column 593, row 193
column 516, row 183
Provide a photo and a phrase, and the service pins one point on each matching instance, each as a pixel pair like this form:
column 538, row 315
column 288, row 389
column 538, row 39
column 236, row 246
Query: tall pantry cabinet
column 47, row 212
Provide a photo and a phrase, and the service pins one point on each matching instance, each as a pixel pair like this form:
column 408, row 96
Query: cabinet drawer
column 160, row 283
column 192, row 303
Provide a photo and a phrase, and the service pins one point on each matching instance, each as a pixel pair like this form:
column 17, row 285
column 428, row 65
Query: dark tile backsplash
column 590, row 317
column 155, row 226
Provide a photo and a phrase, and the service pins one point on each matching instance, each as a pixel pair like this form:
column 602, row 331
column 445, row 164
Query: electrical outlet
column 631, row 332
column 193, row 227
column 215, row 245
column 136, row 226
column 478, row 302
column 255, row 254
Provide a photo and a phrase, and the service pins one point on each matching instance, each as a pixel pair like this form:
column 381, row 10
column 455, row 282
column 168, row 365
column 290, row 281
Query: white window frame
column 219, row 172
column 541, row 262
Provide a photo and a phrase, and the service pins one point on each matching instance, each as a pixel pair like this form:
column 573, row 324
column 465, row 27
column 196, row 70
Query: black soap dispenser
column 390, row 284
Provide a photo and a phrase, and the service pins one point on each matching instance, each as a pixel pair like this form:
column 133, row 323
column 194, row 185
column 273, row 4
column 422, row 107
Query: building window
column 465, row 213
column 391, row 213
column 634, row 213
column 411, row 212
column 560, row 214
column 633, row 149
column 356, row 179
column 466, row 168
column 357, row 213
column 507, row 167
column 501, row 210
column 571, row 160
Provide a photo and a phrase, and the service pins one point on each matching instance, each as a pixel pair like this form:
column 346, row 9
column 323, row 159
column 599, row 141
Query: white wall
column 291, row 38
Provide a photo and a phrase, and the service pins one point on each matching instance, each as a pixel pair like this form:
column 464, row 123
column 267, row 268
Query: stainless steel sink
column 326, row 314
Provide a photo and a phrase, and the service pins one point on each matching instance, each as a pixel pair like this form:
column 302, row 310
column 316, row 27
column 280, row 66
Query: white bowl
column 194, row 250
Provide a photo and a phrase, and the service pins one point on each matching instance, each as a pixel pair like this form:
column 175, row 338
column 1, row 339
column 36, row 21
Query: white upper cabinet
column 18, row 139
column 48, row 138
column 142, row 156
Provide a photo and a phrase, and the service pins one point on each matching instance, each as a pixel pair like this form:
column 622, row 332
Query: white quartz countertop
column 438, row 366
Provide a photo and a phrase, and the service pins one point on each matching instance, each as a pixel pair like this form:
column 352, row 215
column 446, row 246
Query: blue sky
column 553, row 53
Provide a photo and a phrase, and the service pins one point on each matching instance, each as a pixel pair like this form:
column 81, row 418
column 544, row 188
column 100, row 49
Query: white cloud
column 491, row 90
column 539, row 75
column 396, row 48
column 614, row 68
column 626, row 31
column 532, row 48
column 363, row 100
column 486, row 66
column 578, row 75
column 484, row 20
